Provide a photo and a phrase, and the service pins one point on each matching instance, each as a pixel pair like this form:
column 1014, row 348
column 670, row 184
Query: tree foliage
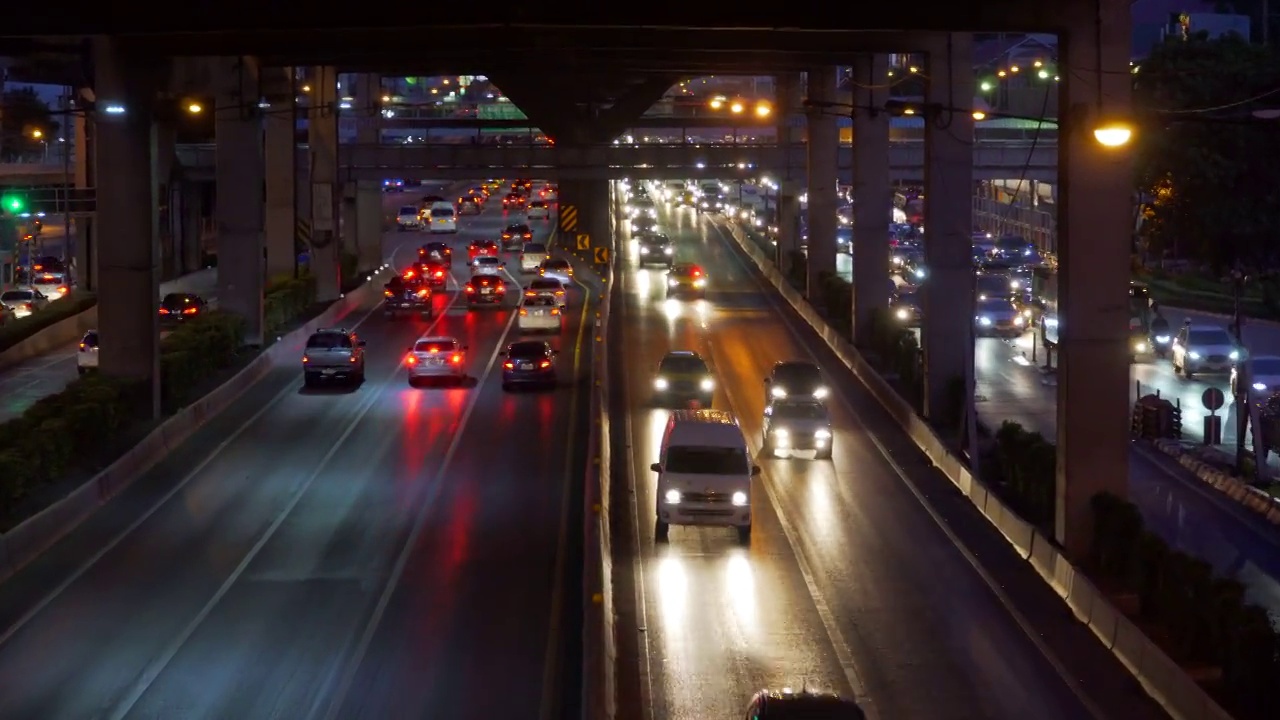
column 23, row 117
column 1208, row 165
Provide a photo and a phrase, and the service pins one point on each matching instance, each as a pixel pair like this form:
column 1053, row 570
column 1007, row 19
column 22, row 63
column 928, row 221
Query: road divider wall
column 58, row 335
column 26, row 541
column 1255, row 500
column 599, row 642
column 1159, row 675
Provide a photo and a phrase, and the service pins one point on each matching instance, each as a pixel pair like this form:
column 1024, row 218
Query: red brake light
column 456, row 358
column 555, row 311
column 697, row 273
column 529, row 293
column 190, row 311
column 305, row 359
column 37, row 267
column 81, row 346
column 164, row 311
column 411, row 360
column 63, row 290
column 408, row 274
column 502, row 288
column 509, row 365
column 422, row 292
column 544, row 364
column 352, row 358
column 469, row 288
column 439, row 273
column 387, row 293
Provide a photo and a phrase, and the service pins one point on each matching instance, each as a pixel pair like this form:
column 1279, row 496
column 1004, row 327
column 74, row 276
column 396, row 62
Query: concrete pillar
column 192, row 226
column 322, row 123
column 85, row 258
column 1095, row 221
column 240, row 191
column 790, row 184
column 128, row 267
column 368, row 196
column 948, row 172
column 872, row 195
column 166, row 159
column 824, row 145
column 584, row 210
column 280, row 154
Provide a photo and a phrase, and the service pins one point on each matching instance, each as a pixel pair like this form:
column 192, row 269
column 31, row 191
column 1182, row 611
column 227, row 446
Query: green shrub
column 285, row 300
column 1204, row 618
column 1028, row 466
column 15, row 331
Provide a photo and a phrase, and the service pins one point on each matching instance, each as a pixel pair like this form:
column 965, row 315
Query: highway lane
column 25, row 383
column 851, row 580
column 269, row 577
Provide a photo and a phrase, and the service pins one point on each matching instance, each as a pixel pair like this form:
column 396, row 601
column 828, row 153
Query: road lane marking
column 87, row 565
column 153, row 669
column 356, row 658
column 994, row 587
column 551, row 660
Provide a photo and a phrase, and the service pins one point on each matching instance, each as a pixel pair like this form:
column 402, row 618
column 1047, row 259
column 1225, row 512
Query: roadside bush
column 797, row 269
column 195, row 352
column 1203, row 620
column 349, row 271
column 1028, row 468
column 836, row 302
column 286, row 298
column 15, row 331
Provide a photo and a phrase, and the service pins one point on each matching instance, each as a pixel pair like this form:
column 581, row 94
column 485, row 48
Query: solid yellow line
column 557, row 588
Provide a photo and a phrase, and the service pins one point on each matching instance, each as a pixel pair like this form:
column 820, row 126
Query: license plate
column 486, row 291
column 330, row 372
column 526, row 366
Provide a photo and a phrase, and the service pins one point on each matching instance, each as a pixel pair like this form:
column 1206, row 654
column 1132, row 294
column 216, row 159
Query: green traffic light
column 13, row 203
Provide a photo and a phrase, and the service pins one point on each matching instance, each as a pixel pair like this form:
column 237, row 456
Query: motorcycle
column 1161, row 344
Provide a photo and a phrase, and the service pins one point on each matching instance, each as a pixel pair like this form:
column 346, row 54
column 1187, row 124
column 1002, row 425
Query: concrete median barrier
column 1168, row 684
column 29, row 539
column 58, row 335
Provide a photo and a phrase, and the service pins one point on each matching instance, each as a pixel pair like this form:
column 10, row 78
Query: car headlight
column 985, row 321
column 673, row 497
column 903, row 314
column 740, row 499
column 820, row 393
column 667, row 251
column 1014, row 284
column 661, row 384
column 1162, row 339
column 672, row 282
column 1259, row 386
column 1193, row 355
column 1140, row 347
column 781, row 434
column 918, row 272
column 1235, row 355
column 777, row 392
column 1019, row 320
column 707, row 384
column 822, row 435
column 644, row 251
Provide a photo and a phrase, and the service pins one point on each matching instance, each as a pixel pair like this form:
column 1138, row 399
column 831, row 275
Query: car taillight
column 544, row 364
column 411, row 360
column 37, row 267
column 555, row 311
column 190, row 311
column 509, row 365
column 528, row 235
column 469, row 288
column 164, row 311
column 81, row 346
column 439, row 273
column 422, row 292
column 502, row 288
column 305, row 359
column 530, row 293
column 351, row 359
column 523, row 311
column 456, row 358
column 63, row 290
column 697, row 273
column 387, row 293
column 408, row 274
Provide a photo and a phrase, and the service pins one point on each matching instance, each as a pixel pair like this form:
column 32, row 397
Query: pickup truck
column 406, row 299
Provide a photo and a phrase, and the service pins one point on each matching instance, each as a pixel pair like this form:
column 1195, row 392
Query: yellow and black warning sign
column 584, row 241
column 568, row 217
column 302, row 231
column 602, row 256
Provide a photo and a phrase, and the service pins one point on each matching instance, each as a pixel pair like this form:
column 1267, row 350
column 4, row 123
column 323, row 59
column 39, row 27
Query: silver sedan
column 437, row 357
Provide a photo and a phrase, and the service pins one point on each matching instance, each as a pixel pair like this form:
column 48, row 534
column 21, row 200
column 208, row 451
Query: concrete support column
column 128, row 266
column 948, row 186
column 85, row 258
column 280, row 153
column 824, row 146
column 368, row 196
column 790, row 184
column 166, row 159
column 872, row 195
column 584, row 210
column 240, row 194
column 1094, row 225
column 322, row 123
column 192, row 226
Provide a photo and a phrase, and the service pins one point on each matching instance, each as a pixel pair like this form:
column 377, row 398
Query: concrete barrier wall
column 599, row 642
column 29, row 539
column 54, row 337
column 1160, row 676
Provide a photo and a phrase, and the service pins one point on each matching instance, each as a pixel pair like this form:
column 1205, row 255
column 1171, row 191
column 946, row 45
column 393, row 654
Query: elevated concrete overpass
column 992, row 160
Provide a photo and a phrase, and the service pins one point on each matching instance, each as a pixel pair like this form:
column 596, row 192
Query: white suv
column 704, row 473
column 87, row 354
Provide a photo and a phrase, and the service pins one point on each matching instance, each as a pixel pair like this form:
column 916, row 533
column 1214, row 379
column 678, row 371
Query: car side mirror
column 755, row 470
column 656, row 467
column 364, row 343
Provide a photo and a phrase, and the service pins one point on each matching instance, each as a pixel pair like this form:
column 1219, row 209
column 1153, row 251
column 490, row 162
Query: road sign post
column 1213, row 400
column 602, row 256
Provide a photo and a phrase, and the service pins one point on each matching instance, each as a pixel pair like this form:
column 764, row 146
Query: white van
column 704, row 473
column 443, row 218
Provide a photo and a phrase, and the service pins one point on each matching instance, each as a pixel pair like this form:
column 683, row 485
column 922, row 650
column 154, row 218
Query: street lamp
column 37, row 134
column 1113, row 134
column 195, row 108
column 737, row 107
column 979, row 115
column 763, row 109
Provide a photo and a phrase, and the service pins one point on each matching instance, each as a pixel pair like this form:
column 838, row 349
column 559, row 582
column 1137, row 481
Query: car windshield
column 527, row 350
column 556, row 264
column 328, row 341
column 643, row 202
column 442, row 212
column 799, row 411
column 435, row 346
column 1266, row 366
column 702, row 460
column 90, row 339
column 408, row 210
column 995, row 306
column 535, row 248
column 539, row 302
column 1012, row 243
column 683, row 365
column 488, row 260
column 796, row 374
column 1210, row 337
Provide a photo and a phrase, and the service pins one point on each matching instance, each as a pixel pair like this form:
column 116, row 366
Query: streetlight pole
column 1243, row 379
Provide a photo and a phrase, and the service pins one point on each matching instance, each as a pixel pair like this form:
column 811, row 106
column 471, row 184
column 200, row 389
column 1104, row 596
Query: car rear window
column 424, row 346
column 535, row 248
column 17, row 295
column 707, row 460
column 537, row 204
column 488, row 260
column 539, row 302
column 527, row 350
column 328, row 341
column 408, row 210
column 556, row 264
column 442, row 212
column 90, row 339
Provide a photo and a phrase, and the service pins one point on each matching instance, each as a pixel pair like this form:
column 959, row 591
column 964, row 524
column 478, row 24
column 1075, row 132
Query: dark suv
column 656, row 249
column 485, row 290
column 529, row 362
column 795, row 380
